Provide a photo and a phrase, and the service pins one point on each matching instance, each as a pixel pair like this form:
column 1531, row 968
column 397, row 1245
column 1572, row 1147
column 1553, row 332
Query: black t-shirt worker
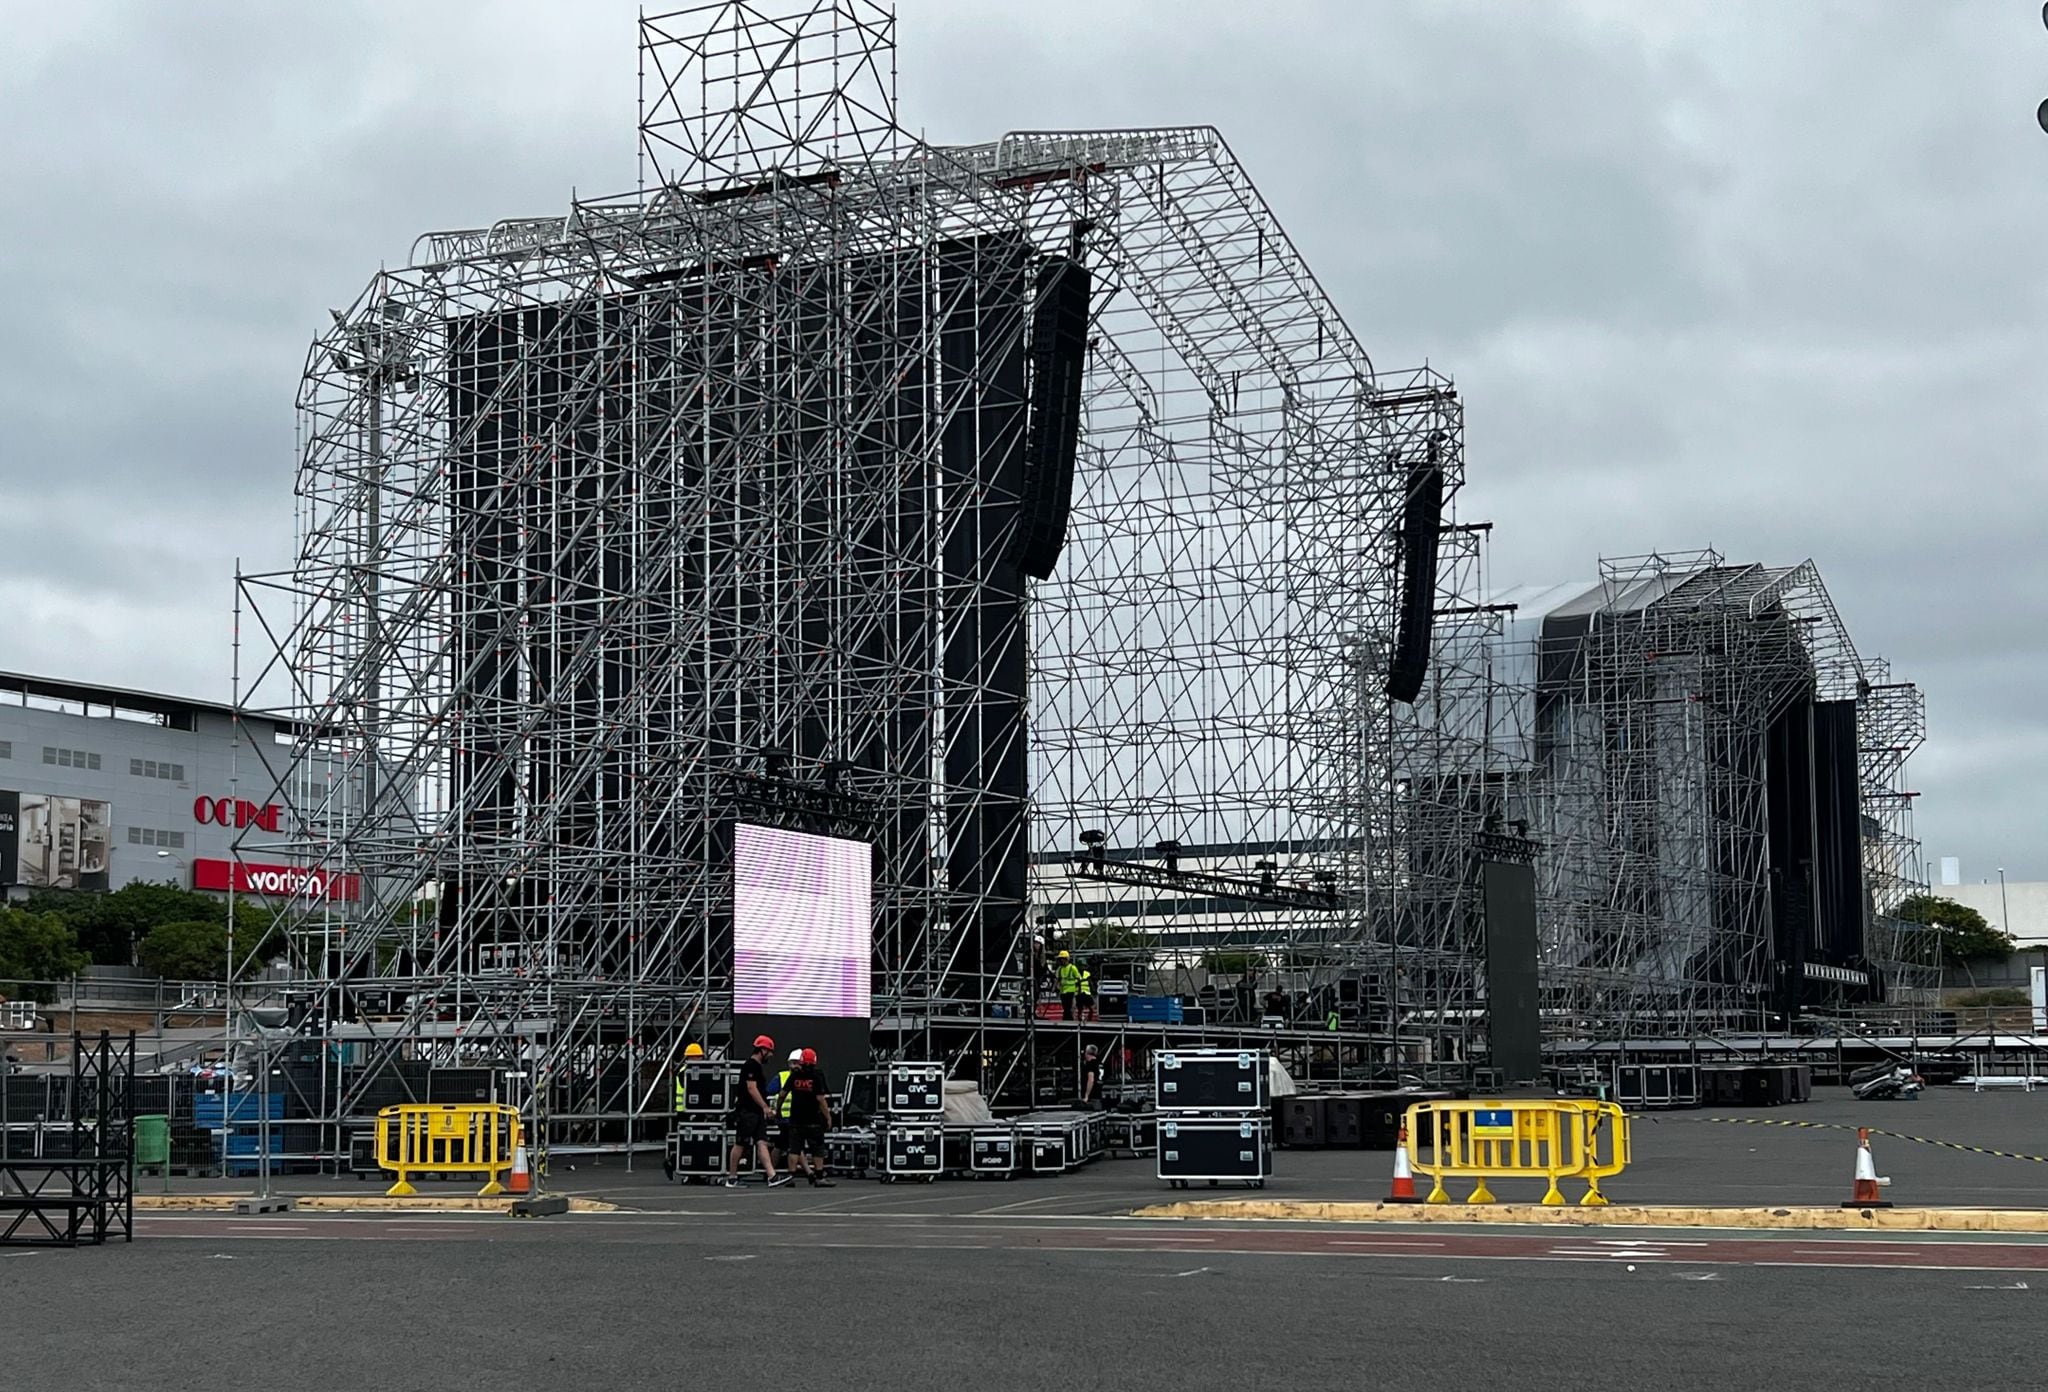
column 1091, row 1080
column 810, row 1114
column 750, row 1116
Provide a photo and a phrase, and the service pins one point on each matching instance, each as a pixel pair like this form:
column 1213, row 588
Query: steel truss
column 692, row 503
column 1649, row 761
column 703, row 503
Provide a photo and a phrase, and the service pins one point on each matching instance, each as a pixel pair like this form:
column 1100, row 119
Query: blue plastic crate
column 1156, row 1010
column 208, row 1108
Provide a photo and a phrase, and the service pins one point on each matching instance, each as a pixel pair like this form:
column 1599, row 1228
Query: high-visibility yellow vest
column 1087, row 982
column 679, row 1092
column 782, row 1101
column 1070, row 978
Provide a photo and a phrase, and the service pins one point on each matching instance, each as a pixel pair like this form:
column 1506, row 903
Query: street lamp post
column 2004, row 910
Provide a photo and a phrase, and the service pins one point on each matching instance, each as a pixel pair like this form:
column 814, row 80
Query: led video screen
column 802, row 923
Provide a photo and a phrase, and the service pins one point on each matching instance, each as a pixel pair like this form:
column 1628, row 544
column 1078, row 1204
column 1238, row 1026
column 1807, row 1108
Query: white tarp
column 964, row 1102
column 1279, row 1081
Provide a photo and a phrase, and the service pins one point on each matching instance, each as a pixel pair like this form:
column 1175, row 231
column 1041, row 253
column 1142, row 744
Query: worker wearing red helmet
column 750, row 1115
column 810, row 1115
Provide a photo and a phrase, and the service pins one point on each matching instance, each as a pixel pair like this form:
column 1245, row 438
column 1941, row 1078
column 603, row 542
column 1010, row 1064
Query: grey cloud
column 1765, row 278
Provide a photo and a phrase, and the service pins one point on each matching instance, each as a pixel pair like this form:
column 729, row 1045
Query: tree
column 1220, row 963
column 36, row 951
column 1963, row 933
column 110, row 926
column 197, row 950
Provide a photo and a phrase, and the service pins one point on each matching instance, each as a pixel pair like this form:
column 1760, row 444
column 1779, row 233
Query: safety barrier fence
column 447, row 1138
column 1551, row 1139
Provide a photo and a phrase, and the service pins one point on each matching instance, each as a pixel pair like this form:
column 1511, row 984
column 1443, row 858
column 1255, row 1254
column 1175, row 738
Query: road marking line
column 1383, row 1242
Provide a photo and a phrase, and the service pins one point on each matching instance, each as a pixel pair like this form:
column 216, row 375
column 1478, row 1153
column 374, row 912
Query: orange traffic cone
column 521, row 1181
column 1867, row 1182
column 1404, row 1178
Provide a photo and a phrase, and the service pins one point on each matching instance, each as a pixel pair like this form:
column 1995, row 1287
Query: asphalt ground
column 1796, row 1155
column 790, row 1294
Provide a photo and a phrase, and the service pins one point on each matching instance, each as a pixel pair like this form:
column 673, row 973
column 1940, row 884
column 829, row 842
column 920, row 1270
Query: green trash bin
column 153, row 1142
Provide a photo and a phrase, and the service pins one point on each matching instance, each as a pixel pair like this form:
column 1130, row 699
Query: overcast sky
column 1762, row 276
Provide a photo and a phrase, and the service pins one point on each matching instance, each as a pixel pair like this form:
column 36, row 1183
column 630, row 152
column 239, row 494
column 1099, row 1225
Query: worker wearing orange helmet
column 810, row 1116
column 750, row 1113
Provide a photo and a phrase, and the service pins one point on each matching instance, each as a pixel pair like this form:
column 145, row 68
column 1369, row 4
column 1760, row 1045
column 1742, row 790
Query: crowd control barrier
column 447, row 1138
column 1551, row 1139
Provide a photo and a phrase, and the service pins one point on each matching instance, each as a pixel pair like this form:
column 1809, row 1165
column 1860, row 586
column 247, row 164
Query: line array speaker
column 1059, row 351
column 1421, row 520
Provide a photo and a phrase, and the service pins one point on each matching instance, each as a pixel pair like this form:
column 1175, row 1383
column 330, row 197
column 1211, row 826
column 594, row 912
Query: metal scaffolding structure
column 1681, row 880
column 704, row 502
column 724, row 499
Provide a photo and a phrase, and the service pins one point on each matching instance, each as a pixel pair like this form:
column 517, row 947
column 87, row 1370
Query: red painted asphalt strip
column 1574, row 1244
column 1794, row 1249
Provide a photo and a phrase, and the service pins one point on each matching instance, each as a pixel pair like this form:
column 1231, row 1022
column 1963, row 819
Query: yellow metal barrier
column 1548, row 1138
column 447, row 1138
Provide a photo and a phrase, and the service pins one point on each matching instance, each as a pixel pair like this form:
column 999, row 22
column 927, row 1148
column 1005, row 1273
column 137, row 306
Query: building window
column 70, row 758
column 150, row 768
column 150, row 836
column 6, row 749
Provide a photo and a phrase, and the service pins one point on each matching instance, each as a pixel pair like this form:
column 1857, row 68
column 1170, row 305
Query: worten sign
column 235, row 812
column 274, row 881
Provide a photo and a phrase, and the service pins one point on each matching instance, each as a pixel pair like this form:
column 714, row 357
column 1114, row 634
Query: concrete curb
column 345, row 1203
column 1618, row 1215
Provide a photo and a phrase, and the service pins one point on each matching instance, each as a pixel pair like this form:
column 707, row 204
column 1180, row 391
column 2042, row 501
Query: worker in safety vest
column 1333, row 1022
column 782, row 1097
column 1087, row 994
column 692, row 1054
column 1070, row 984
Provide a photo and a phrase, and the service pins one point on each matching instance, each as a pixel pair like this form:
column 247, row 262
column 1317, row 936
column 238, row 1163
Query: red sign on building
column 235, row 812
column 275, row 881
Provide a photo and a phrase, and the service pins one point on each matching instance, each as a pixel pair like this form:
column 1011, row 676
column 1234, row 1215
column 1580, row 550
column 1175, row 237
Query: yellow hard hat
column 1064, row 954
column 694, row 1051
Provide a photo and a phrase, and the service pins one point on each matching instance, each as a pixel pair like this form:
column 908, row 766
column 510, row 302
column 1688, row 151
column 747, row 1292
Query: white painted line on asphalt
column 238, row 1237
column 916, row 1246
column 267, row 1227
column 1643, row 1242
column 1157, row 1237
column 1370, row 1243
column 1196, row 1272
column 1023, row 1203
column 2016, row 1285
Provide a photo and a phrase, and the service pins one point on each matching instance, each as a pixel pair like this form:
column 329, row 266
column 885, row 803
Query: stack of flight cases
column 1215, row 1116
column 703, row 1135
column 911, row 1135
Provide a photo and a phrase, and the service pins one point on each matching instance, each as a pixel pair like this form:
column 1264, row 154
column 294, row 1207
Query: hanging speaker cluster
column 1059, row 352
column 1421, row 521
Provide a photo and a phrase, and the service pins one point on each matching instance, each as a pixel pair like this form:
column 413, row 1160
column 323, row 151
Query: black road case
column 1216, row 1149
column 1211, row 1080
column 696, row 1152
column 912, row 1150
column 850, row 1150
column 708, row 1090
column 916, row 1090
column 979, row 1148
